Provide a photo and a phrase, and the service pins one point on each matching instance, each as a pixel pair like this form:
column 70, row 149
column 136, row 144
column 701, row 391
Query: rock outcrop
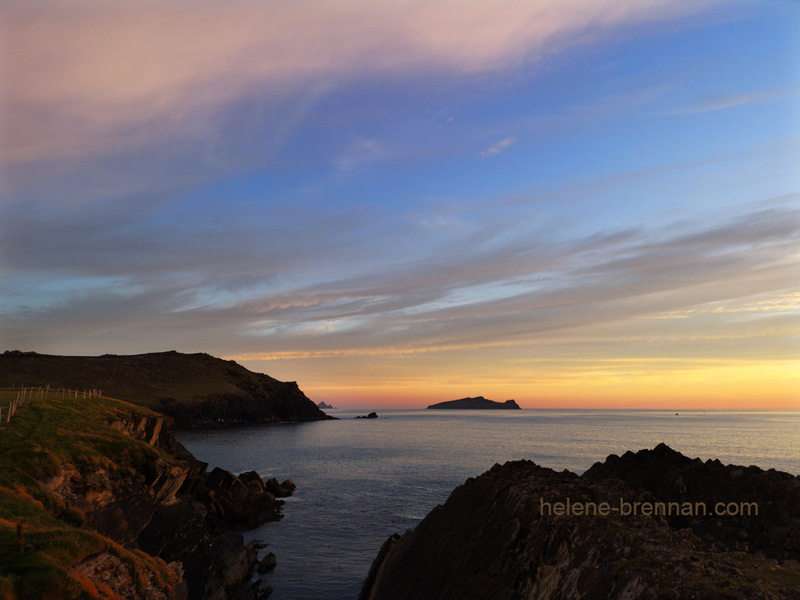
column 524, row 531
column 172, row 508
column 477, row 403
column 672, row 477
column 109, row 573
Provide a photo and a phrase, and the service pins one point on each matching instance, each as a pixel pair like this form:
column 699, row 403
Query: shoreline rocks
column 509, row 534
column 177, row 512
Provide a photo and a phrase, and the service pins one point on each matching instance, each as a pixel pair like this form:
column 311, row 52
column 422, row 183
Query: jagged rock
column 233, row 559
column 177, row 512
column 372, row 415
column 243, row 505
column 252, row 480
column 267, row 563
column 672, row 477
column 515, row 532
column 280, row 490
column 147, row 429
column 123, row 580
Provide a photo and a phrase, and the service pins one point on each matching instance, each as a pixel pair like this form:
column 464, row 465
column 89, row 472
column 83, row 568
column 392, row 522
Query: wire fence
column 21, row 396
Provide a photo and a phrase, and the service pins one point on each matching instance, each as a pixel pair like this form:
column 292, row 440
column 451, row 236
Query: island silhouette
column 477, row 403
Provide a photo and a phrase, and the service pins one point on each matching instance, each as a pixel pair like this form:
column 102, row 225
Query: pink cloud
column 81, row 78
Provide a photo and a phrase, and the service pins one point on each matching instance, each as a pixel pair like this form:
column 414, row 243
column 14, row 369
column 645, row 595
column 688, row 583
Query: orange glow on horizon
column 611, row 384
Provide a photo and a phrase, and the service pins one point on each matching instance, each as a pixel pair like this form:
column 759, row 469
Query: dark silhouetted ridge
column 193, row 389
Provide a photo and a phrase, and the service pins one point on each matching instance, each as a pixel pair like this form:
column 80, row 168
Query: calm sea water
column 359, row 481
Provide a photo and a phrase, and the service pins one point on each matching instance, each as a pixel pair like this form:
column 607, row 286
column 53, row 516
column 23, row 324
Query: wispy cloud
column 723, row 102
column 497, row 147
column 246, row 293
column 360, row 152
column 92, row 78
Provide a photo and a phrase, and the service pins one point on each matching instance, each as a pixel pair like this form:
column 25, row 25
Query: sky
column 572, row 203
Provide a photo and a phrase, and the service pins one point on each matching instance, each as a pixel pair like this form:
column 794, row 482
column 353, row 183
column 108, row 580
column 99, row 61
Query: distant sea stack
column 324, row 405
column 193, row 389
column 478, row 403
column 639, row 525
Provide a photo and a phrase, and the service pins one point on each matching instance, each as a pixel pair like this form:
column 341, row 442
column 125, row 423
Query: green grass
column 44, row 434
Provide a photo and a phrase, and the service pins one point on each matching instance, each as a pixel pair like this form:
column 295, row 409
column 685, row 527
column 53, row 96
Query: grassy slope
column 163, row 381
column 141, row 379
column 41, row 436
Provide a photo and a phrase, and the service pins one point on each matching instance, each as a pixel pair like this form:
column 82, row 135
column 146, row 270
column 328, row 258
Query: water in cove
column 360, row 480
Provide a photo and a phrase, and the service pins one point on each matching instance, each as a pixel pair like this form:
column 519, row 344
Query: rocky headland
column 524, row 531
column 99, row 500
column 196, row 390
column 477, row 403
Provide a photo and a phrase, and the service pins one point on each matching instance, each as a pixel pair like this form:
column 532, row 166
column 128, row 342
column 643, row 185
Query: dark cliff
column 477, row 403
column 508, row 534
column 193, row 389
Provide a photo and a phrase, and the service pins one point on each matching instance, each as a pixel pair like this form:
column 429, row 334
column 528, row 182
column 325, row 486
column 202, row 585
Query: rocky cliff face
column 524, row 531
column 174, row 510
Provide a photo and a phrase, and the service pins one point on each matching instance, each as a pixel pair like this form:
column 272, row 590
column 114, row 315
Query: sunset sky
column 573, row 203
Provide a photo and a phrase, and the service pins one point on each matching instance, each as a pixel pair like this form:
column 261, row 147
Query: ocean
column 361, row 480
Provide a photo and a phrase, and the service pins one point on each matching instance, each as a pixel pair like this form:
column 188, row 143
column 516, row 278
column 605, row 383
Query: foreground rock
column 175, row 511
column 672, row 477
column 522, row 531
column 477, row 403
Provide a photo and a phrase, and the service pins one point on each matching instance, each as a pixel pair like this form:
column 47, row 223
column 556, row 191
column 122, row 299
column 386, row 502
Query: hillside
column 193, row 389
column 109, row 505
column 54, row 554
